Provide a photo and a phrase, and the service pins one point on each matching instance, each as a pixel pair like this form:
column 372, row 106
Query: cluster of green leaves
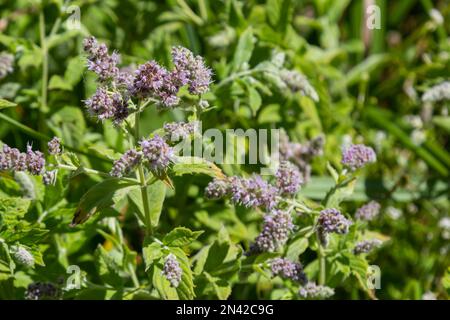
column 369, row 84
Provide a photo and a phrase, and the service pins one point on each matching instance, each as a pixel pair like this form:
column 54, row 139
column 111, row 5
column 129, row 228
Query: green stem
column 36, row 134
column 322, row 262
column 141, row 176
column 44, row 51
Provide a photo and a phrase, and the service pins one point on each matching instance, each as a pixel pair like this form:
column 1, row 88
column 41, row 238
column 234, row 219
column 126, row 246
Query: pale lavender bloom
column 252, row 192
column 6, row 64
column 35, row 161
column 289, row 178
column 366, row 246
column 358, row 155
column 332, row 220
column 54, row 146
column 12, row 159
column 105, row 105
column 23, row 256
column 157, row 152
column 288, row 270
column 126, row 164
column 369, row 211
column 153, row 80
column 276, row 229
column 217, row 189
column 172, row 270
column 190, row 70
column 313, row 291
column 176, row 131
column 149, row 78
column 49, row 177
column 301, row 154
column 297, row 82
column 99, row 61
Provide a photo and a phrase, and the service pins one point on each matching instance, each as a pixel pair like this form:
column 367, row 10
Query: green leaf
column 244, row 50
column 13, row 209
column 6, row 104
column 151, row 253
column 296, row 248
column 156, row 195
column 333, row 172
column 196, row 165
column 75, row 70
column 180, row 237
column 254, row 99
column 339, row 193
column 59, row 83
column 443, row 122
column 108, row 267
column 99, row 197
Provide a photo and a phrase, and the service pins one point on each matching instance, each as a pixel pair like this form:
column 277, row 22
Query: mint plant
column 132, row 167
column 144, row 171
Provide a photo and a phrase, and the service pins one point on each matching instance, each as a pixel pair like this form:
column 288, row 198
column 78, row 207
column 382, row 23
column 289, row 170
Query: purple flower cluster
column 42, row 291
column 176, row 131
column 301, row 154
column 289, row 178
column 154, row 81
column 157, row 152
column 54, row 146
column 6, row 64
column 248, row 192
column 288, row 270
column 332, row 220
column 366, row 246
column 126, row 163
column 217, row 189
column 99, row 61
column 358, row 155
column 110, row 101
column 276, row 229
column 314, row 291
column 13, row 159
column 253, row 192
column 191, row 70
column 106, row 105
column 172, row 270
column 368, row 212
column 49, row 177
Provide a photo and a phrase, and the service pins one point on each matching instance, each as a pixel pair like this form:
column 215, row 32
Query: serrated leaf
column 180, row 237
column 99, row 197
column 151, row 253
column 196, row 165
column 244, row 50
column 13, row 209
